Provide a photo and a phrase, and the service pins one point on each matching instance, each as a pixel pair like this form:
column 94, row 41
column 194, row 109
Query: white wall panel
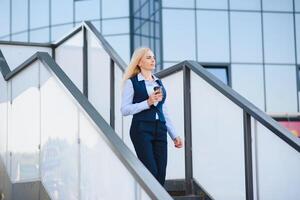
column 217, row 135
column 69, row 57
column 25, row 135
column 277, row 166
column 3, row 119
column 9, row 130
column 281, row 88
column 59, row 136
column 17, row 54
column 99, row 77
column 103, row 175
column 174, row 103
column 118, row 93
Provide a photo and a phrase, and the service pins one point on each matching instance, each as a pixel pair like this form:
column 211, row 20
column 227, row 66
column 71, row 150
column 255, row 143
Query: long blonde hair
column 133, row 68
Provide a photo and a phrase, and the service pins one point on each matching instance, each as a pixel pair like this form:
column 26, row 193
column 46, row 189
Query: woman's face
column 147, row 62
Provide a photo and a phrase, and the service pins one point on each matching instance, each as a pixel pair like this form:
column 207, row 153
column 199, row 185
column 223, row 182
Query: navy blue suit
column 149, row 133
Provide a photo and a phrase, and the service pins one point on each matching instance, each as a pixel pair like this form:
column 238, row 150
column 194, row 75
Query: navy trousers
column 150, row 142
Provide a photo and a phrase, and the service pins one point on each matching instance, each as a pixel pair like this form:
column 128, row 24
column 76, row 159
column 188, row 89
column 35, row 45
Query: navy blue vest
column 140, row 94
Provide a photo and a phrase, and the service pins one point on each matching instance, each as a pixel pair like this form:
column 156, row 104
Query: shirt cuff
column 144, row 105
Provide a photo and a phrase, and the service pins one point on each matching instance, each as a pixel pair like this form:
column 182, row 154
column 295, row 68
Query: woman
column 150, row 122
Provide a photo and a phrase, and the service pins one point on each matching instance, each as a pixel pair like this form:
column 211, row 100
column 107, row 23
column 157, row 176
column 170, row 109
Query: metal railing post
column 187, row 130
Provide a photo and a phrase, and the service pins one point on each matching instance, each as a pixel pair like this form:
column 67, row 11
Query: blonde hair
column 133, row 68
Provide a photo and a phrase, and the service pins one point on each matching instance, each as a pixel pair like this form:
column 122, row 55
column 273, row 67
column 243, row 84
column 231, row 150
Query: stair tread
column 187, row 197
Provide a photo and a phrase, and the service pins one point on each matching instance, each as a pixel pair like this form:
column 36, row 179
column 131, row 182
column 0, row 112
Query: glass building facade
column 251, row 45
column 48, row 20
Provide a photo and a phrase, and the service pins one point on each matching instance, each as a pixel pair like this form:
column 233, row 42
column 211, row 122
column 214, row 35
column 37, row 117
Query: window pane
column 279, row 38
column 213, row 36
column 178, row 25
column 221, row 4
column 242, row 75
column 246, row 37
column 21, row 37
column 116, row 8
column 179, row 3
column 59, row 31
column 281, row 88
column 220, row 73
column 19, row 16
column 145, row 41
column 245, row 4
column 298, row 36
column 169, row 64
column 115, row 26
column 69, row 56
column 278, row 5
column 87, row 10
column 97, row 25
column 144, row 13
column 4, row 18
column 121, row 45
column 4, row 38
column 62, row 11
column 145, row 28
column 41, row 35
column 39, row 13
column 297, row 5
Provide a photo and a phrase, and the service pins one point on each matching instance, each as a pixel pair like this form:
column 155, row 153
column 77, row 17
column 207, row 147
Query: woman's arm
column 127, row 107
column 171, row 130
column 169, row 124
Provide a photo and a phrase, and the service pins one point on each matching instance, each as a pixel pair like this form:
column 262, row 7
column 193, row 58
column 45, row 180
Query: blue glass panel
column 178, row 25
column 297, row 5
column 19, row 16
column 121, row 45
column 115, row 26
column 281, row 88
column 62, row 11
column 39, row 14
column 20, row 37
column 4, row 18
column 179, row 3
column 279, row 38
column 87, row 10
column 59, row 31
column 220, row 73
column 278, row 5
column 213, row 36
column 41, row 35
column 298, row 37
column 218, row 4
column 245, row 4
column 246, row 37
column 115, row 8
column 248, row 80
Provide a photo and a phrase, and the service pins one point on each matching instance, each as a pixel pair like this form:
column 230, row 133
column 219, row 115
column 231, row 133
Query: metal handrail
column 136, row 168
column 90, row 27
column 239, row 100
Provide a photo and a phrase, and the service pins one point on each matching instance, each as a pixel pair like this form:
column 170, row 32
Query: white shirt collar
column 142, row 78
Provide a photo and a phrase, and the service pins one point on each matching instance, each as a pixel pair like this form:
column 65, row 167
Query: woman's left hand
column 177, row 142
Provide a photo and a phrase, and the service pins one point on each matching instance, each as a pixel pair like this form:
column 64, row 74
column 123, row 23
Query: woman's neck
column 147, row 75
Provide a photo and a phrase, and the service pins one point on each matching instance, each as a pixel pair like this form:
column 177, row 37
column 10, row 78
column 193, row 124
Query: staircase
column 177, row 189
column 230, row 145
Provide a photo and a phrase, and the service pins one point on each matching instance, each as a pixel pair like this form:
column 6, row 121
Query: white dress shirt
column 129, row 108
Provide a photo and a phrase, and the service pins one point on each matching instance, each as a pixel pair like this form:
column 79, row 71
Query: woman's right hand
column 154, row 97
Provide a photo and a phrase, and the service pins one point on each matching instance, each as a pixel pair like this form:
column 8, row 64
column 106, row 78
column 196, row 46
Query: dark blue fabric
column 149, row 139
column 140, row 94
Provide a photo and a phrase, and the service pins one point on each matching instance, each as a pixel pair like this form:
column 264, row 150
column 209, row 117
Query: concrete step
column 187, row 197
